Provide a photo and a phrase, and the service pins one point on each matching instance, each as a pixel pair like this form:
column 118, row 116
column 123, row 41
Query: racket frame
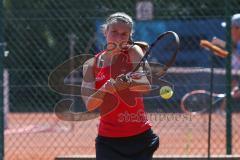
column 194, row 92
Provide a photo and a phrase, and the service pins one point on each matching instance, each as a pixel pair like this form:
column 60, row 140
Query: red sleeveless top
column 127, row 116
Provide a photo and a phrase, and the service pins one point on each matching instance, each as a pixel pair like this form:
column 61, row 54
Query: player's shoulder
column 135, row 47
column 135, row 51
column 90, row 61
column 88, row 65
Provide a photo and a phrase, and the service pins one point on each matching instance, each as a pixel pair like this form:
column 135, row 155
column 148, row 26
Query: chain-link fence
column 40, row 35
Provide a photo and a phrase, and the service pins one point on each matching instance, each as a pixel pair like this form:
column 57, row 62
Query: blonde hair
column 118, row 17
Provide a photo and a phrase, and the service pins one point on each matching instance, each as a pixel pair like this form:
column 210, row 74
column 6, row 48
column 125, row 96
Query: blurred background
column 39, row 35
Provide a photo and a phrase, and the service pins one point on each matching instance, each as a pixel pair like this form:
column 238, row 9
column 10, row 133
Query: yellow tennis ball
column 166, row 92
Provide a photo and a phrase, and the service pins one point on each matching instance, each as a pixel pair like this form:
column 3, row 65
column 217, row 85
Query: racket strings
column 201, row 102
column 164, row 52
column 197, row 103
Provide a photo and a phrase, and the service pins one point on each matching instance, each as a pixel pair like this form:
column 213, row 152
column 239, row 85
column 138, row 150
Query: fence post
column 228, row 78
column 1, row 80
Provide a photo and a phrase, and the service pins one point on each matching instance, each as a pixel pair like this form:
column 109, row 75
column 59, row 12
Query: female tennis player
column 124, row 131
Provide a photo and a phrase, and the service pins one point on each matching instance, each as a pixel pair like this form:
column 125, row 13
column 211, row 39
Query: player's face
column 118, row 33
column 235, row 34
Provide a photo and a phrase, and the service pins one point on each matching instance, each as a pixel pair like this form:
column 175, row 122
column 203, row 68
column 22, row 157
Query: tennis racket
column 198, row 101
column 162, row 53
column 160, row 56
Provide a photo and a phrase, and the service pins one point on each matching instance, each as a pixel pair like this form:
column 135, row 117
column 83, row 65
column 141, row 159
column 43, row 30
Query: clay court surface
column 35, row 136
